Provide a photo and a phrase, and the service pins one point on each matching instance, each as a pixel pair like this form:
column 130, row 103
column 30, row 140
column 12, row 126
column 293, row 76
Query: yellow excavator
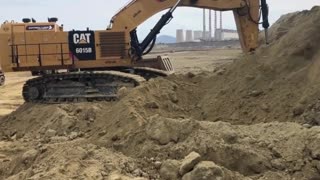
column 93, row 65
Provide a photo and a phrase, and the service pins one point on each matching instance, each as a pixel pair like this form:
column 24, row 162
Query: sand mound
column 296, row 34
column 279, row 83
column 254, row 119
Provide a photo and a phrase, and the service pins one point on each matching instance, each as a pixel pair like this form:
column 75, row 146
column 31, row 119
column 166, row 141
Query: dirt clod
column 189, row 162
column 29, row 156
column 170, row 169
column 205, row 170
column 50, row 133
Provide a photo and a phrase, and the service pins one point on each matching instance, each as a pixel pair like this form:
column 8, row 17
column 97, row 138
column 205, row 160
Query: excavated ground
column 256, row 118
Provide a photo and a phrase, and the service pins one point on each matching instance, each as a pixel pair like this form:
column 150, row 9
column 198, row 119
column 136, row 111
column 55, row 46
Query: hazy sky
column 79, row 14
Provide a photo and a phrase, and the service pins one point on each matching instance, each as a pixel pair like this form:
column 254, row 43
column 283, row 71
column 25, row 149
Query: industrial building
column 197, row 35
column 208, row 34
column 189, row 36
column 180, row 36
column 229, row 34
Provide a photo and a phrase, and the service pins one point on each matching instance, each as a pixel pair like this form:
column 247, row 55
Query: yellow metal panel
column 62, row 37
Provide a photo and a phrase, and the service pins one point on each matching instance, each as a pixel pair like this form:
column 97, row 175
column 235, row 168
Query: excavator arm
column 246, row 13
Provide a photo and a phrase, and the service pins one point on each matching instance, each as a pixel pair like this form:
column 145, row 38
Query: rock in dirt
column 311, row 115
column 170, row 169
column 29, row 156
column 165, row 130
column 118, row 176
column 2, row 156
column 152, row 105
column 318, row 166
column 122, row 92
column 255, row 93
column 90, row 114
column 174, row 98
column 308, row 126
column 278, row 164
column 137, row 172
column 73, row 135
column 298, row 110
column 205, row 170
column 250, row 77
column 50, row 133
column 315, row 177
column 230, row 136
column 265, row 107
column 191, row 75
column 314, row 147
column 221, row 71
column 157, row 164
column 189, row 162
column 59, row 139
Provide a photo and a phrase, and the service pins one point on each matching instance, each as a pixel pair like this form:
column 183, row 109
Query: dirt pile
column 296, row 34
column 254, row 119
column 136, row 136
column 279, row 83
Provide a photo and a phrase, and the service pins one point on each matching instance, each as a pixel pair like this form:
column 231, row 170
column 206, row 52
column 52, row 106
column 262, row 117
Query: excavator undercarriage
column 79, row 86
column 91, row 85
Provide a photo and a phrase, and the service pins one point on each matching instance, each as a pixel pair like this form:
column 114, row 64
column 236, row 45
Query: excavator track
column 79, row 86
column 2, row 78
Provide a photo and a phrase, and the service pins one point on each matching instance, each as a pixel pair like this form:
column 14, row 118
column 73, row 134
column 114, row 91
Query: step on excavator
column 92, row 65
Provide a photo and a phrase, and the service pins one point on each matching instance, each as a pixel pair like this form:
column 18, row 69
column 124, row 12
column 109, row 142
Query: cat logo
column 81, row 38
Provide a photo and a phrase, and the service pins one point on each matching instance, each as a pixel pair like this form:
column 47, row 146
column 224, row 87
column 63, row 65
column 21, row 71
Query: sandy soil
column 199, row 61
column 10, row 93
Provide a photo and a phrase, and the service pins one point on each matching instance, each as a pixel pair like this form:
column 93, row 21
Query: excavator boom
column 246, row 13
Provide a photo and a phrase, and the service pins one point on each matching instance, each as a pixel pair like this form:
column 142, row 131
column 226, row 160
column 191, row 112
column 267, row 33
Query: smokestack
column 221, row 20
column 204, row 24
column 179, row 36
column 210, row 25
column 215, row 20
column 215, row 25
column 189, row 36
